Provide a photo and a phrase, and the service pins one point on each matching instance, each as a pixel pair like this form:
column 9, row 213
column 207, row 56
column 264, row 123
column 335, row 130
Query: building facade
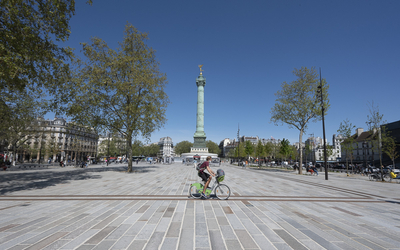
column 314, row 149
column 59, row 140
column 166, row 148
column 252, row 139
column 222, row 146
column 364, row 152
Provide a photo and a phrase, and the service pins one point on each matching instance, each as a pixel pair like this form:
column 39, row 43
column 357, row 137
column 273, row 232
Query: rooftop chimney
column 359, row 131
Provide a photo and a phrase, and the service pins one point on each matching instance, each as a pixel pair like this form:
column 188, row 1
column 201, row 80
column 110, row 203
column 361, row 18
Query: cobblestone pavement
column 106, row 208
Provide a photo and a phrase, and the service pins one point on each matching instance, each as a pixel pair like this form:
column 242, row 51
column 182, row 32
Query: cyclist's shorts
column 204, row 176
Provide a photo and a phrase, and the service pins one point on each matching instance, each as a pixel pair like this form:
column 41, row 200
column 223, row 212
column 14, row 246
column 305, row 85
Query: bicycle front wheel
column 222, row 192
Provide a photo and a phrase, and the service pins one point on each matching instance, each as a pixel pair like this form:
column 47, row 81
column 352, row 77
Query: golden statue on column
column 201, row 71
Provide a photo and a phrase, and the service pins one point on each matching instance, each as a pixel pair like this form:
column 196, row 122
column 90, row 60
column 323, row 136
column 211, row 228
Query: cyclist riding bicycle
column 206, row 176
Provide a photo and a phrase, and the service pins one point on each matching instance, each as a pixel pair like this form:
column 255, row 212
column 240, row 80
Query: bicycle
column 221, row 191
column 391, row 176
column 375, row 176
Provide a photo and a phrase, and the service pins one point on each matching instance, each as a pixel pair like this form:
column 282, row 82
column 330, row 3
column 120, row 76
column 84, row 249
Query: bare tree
column 345, row 129
column 374, row 123
column 389, row 145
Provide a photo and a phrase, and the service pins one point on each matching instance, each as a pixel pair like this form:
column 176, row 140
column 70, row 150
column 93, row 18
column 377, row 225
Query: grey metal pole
column 108, row 149
column 323, row 124
column 238, row 137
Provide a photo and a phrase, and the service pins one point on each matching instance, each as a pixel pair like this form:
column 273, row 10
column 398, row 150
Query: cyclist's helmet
column 220, row 175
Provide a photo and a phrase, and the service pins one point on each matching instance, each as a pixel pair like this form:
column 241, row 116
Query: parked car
column 339, row 166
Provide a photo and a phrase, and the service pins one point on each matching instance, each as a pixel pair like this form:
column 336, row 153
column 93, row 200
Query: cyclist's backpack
column 198, row 166
column 220, row 175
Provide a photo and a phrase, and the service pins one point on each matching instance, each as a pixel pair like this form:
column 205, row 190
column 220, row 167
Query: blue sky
column 248, row 48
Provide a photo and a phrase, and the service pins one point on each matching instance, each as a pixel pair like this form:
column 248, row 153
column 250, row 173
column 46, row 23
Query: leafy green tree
column 268, row 149
column 32, row 150
column 240, row 151
column 121, row 91
column 151, row 150
column 20, row 112
column 260, row 152
column 102, row 148
column 213, row 147
column 390, row 146
column 249, row 148
column 137, row 148
column 183, row 147
column 374, row 123
column 120, row 146
column 231, row 153
column 275, row 150
column 52, row 148
column 297, row 103
column 29, row 54
column 18, row 123
column 285, row 148
column 345, row 129
column 293, row 154
column 113, row 148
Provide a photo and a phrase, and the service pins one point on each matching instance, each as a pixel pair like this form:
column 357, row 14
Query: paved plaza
column 106, row 208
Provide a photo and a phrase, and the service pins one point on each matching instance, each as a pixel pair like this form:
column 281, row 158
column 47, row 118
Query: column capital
column 200, row 81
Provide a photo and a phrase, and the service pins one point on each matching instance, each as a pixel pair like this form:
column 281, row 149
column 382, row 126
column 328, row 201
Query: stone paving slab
column 104, row 207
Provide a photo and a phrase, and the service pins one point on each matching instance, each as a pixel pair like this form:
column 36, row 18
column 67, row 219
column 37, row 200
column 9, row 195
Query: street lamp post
column 323, row 121
column 238, row 137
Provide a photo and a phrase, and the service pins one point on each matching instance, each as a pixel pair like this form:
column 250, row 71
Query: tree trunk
column 129, row 146
column 351, row 159
column 14, row 155
column 301, row 152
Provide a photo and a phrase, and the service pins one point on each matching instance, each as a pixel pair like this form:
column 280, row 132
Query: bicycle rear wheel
column 222, row 192
column 194, row 191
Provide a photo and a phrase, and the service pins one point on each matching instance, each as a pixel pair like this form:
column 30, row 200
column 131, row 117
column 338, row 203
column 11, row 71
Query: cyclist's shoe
column 204, row 196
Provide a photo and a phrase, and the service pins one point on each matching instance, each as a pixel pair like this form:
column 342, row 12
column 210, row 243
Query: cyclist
column 314, row 168
column 205, row 176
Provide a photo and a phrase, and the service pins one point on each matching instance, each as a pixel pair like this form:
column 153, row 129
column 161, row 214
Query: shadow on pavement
column 23, row 180
column 274, row 169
